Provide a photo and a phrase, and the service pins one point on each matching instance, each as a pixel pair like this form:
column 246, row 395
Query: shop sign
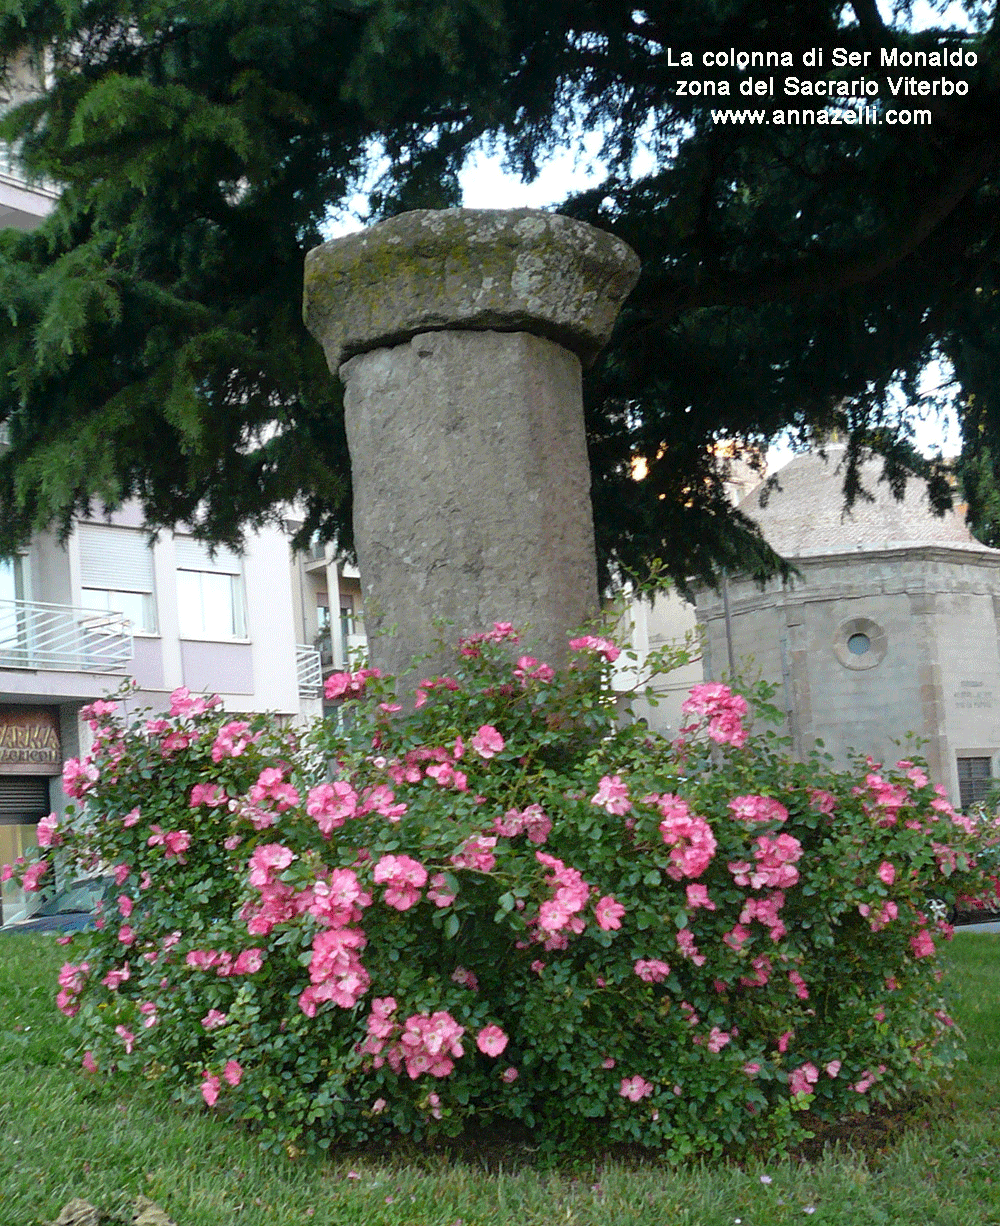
column 29, row 738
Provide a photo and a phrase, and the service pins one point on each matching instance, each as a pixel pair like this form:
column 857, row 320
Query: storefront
column 30, row 755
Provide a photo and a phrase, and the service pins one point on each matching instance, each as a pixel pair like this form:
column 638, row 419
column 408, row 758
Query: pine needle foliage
column 795, row 277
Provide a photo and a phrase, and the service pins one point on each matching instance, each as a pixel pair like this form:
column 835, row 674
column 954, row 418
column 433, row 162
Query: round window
column 860, row 643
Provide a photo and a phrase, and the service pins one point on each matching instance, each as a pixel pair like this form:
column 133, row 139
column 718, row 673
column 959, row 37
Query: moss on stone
column 467, row 268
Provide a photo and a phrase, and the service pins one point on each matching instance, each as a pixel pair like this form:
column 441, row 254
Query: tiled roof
column 805, row 514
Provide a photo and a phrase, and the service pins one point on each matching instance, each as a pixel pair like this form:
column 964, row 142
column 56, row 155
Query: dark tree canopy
column 793, row 275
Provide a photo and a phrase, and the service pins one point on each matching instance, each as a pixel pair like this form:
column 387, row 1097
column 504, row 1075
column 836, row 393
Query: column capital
column 517, row 270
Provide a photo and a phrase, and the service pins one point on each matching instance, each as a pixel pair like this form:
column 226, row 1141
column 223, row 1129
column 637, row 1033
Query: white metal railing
column 309, row 667
column 13, row 174
column 58, row 636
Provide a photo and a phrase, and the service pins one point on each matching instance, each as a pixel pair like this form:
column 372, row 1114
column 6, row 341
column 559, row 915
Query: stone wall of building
column 868, row 648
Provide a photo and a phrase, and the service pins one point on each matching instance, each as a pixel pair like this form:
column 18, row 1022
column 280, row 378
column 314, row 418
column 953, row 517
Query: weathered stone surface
column 78, row 1213
column 459, row 335
column 922, row 592
column 149, row 1214
column 143, row 1212
column 471, row 493
column 504, row 270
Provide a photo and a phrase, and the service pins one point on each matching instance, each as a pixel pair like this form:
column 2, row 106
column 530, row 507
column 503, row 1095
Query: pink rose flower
column 608, row 913
column 529, row 668
column 210, row 1089
column 33, row 875
column 757, row 809
column 635, row 1088
column 47, row 831
column 248, row 962
column 822, row 802
column 127, row 1037
column 652, row 970
column 612, row 795
column 688, row 947
column 403, row 877
column 802, row 1079
column 723, row 709
column 115, row 978
column 697, row 896
column 438, row 893
column 491, row 1040
column 717, row 1040
column 488, row 742
column 603, row 647
column 465, row 978
column 176, row 842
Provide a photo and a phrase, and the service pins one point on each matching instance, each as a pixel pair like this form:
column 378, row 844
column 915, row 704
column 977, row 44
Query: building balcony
column 60, row 638
column 23, row 205
column 355, row 646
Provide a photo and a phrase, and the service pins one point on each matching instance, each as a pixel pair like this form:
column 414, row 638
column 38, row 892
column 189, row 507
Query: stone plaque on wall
column 29, row 741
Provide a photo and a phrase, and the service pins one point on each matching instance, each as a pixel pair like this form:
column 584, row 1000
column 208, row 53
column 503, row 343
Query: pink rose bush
column 501, row 905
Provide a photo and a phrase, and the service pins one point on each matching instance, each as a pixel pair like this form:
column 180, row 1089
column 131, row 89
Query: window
column 23, row 800
column 860, row 643
column 348, row 617
column 975, row 780
column 12, row 577
column 116, row 574
column 138, row 607
column 14, row 620
column 209, row 591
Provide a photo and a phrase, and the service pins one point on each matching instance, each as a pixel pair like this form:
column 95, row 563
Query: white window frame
column 201, row 569
column 115, row 563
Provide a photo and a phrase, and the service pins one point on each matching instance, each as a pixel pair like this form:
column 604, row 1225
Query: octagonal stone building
column 892, row 629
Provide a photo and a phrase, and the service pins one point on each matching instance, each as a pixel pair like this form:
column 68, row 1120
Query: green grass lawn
column 63, row 1136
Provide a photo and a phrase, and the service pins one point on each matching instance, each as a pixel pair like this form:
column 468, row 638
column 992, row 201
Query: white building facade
column 110, row 605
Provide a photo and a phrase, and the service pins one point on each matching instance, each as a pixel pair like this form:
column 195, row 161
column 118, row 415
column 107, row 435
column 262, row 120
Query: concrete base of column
column 471, row 494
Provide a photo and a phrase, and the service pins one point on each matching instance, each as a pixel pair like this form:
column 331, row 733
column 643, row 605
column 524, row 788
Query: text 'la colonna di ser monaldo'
column 823, row 58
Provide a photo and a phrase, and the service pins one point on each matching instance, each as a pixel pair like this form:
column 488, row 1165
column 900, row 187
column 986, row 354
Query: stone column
column 459, row 336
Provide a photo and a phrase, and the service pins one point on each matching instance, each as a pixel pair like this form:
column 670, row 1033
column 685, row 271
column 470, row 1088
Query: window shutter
column 115, row 559
column 194, row 555
column 23, row 796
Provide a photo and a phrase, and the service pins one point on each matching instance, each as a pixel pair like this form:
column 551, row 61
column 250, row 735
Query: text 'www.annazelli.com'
column 785, row 116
